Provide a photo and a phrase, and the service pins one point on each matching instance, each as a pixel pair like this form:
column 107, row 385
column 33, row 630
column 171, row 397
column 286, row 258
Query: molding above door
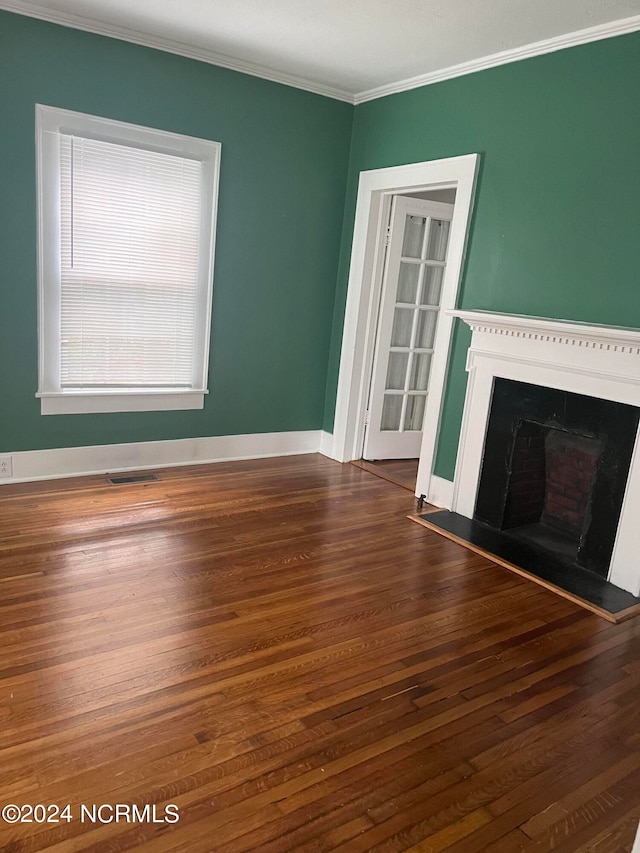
column 374, row 192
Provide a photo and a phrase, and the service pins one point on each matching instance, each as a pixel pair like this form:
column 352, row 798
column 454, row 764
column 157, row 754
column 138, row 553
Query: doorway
column 415, row 262
column 377, row 190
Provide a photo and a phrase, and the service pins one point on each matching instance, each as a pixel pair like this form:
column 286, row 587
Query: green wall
column 556, row 230
column 282, row 183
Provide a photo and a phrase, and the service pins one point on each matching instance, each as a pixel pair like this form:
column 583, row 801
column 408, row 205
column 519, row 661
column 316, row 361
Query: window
column 126, row 223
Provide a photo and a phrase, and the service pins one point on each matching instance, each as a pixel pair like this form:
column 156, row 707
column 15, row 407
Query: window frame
column 50, row 123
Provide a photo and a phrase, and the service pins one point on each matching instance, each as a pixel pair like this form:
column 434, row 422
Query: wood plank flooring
column 402, row 472
column 273, row 648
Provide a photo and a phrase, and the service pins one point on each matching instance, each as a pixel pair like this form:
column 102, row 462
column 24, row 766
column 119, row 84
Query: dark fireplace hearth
column 554, row 470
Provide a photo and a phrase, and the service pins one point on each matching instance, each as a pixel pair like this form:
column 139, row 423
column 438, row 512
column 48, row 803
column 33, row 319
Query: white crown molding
column 597, row 33
column 78, row 22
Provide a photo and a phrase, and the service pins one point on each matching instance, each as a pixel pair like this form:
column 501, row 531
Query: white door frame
column 367, row 255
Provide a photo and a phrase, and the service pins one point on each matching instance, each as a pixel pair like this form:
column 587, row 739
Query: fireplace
column 555, row 468
column 548, row 446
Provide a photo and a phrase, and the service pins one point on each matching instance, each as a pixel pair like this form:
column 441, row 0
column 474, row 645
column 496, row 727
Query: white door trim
column 374, row 191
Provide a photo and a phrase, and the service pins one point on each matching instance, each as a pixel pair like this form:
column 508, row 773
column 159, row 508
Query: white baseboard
column 440, row 492
column 636, row 843
column 111, row 458
column 326, row 444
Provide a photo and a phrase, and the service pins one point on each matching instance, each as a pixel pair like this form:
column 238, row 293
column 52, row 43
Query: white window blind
column 129, row 252
column 126, row 236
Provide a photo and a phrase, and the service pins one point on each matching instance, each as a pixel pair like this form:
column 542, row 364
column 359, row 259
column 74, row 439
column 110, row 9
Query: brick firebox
column 551, row 480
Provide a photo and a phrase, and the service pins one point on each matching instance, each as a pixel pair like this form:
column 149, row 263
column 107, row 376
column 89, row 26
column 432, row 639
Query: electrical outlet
column 6, row 466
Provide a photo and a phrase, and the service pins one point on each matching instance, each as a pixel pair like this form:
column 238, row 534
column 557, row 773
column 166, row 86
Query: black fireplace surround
column 554, row 470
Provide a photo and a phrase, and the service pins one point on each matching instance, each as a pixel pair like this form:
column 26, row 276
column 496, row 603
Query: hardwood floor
column 402, row 472
column 276, row 650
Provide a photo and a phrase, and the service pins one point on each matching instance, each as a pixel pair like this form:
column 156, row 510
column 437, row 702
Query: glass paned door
column 415, row 265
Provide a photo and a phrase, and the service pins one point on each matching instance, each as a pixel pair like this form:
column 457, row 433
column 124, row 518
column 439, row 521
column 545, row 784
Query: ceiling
column 350, row 49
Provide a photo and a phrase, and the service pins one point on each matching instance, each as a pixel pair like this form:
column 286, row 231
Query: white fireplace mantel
column 583, row 358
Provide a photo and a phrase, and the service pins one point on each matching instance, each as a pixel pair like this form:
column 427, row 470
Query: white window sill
column 78, row 402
